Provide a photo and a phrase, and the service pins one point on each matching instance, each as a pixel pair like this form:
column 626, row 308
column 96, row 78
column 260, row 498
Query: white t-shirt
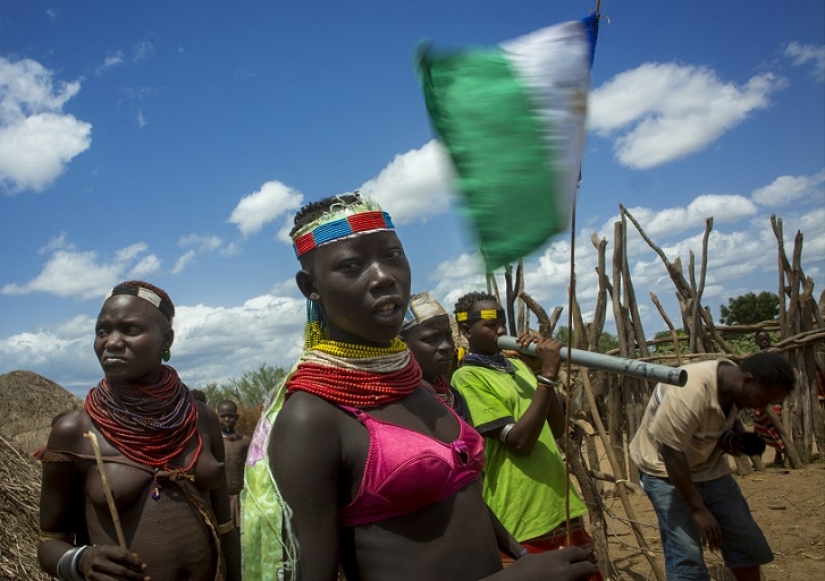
column 688, row 419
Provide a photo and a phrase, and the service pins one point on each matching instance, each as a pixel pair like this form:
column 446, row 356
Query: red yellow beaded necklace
column 357, row 375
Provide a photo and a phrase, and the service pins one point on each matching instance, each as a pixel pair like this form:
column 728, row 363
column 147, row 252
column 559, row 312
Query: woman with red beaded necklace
column 133, row 485
column 354, row 464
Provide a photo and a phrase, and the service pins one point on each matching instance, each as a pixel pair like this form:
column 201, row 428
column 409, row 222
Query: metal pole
column 620, row 365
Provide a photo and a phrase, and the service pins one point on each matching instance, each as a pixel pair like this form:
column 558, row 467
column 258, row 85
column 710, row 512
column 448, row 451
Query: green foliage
column 669, row 348
column 750, row 309
column 248, row 391
column 214, row 394
column 606, row 340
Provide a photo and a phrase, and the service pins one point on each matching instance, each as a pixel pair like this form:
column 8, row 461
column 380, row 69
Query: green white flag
column 513, row 120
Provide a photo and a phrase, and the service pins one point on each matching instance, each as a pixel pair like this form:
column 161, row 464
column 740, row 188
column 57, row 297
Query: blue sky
column 172, row 141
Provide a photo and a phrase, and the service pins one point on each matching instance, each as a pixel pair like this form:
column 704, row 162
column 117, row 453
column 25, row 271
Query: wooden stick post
column 620, row 484
column 121, row 540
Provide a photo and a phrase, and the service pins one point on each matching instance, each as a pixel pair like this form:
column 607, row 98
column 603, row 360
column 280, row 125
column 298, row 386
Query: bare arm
column 304, row 456
column 62, row 502
column 545, row 406
column 505, row 541
column 570, row 564
column 678, row 470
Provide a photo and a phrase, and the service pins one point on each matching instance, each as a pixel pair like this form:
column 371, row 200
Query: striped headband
column 341, row 221
column 422, row 308
column 145, row 294
column 485, row 314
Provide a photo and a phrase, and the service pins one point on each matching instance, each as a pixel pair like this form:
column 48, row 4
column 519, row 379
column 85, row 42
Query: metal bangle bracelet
column 545, row 381
column 504, row 431
column 67, row 565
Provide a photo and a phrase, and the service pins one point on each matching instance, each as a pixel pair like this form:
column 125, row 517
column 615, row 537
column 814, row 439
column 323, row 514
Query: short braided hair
column 468, row 301
column 315, row 210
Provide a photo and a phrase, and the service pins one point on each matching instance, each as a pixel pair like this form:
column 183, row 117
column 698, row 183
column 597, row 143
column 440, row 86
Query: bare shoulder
column 67, row 432
column 308, row 426
column 307, row 414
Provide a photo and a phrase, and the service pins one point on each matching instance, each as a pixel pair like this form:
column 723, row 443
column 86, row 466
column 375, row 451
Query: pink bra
column 407, row 470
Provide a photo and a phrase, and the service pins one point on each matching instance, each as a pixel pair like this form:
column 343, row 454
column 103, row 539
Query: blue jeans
column 743, row 544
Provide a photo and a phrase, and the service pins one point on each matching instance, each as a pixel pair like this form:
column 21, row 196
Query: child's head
column 762, row 339
column 481, row 321
column 429, row 336
column 353, row 271
column 228, row 415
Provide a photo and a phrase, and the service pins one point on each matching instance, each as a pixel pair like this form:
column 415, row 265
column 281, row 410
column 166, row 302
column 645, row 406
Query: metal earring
column 167, row 355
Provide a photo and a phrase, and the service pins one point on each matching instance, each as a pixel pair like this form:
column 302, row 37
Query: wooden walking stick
column 121, row 540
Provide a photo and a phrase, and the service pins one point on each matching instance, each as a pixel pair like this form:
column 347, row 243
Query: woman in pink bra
column 355, row 466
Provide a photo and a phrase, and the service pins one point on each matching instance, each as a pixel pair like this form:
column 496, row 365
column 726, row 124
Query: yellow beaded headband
column 483, row 314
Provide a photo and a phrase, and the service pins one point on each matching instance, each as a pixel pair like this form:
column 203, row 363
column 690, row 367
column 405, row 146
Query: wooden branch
column 674, row 337
column 675, row 269
column 621, row 484
column 545, row 325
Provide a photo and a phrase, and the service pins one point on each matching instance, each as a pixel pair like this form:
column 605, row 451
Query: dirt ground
column 789, row 506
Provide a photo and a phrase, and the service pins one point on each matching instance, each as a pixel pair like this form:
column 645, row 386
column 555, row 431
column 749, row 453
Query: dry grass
column 28, row 402
column 19, row 499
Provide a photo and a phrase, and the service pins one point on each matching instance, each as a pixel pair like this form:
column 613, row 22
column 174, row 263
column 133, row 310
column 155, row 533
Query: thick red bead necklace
column 362, row 388
column 150, row 424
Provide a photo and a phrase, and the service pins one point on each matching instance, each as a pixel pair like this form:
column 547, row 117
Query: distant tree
column 669, row 348
column 606, row 340
column 750, row 308
column 214, row 394
column 252, row 387
column 249, row 390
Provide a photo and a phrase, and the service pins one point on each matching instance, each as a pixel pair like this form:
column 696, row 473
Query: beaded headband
column 341, row 221
column 485, row 314
column 145, row 294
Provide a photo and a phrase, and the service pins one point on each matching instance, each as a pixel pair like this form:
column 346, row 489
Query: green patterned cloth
column 269, row 548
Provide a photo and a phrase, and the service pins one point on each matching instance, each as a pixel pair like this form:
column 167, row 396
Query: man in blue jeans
column 685, row 473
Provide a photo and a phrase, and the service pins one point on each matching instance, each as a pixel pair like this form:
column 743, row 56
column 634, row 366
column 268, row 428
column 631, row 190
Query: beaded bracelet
column 545, row 381
column 70, row 559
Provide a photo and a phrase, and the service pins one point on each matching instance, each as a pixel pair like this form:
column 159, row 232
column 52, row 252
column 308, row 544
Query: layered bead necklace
column 150, row 424
column 357, row 375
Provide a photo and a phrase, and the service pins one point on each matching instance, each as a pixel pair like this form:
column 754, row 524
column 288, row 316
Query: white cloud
column 665, row 111
column 414, row 185
column 72, row 273
column 182, row 262
column 37, row 140
column 455, row 277
column 669, row 222
column 259, row 208
column 801, row 54
column 110, row 62
column 143, row 50
column 786, row 189
column 200, row 244
column 211, row 343
column 141, row 120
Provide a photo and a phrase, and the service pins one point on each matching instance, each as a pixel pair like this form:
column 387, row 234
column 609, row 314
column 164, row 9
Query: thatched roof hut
column 28, row 403
column 19, row 501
